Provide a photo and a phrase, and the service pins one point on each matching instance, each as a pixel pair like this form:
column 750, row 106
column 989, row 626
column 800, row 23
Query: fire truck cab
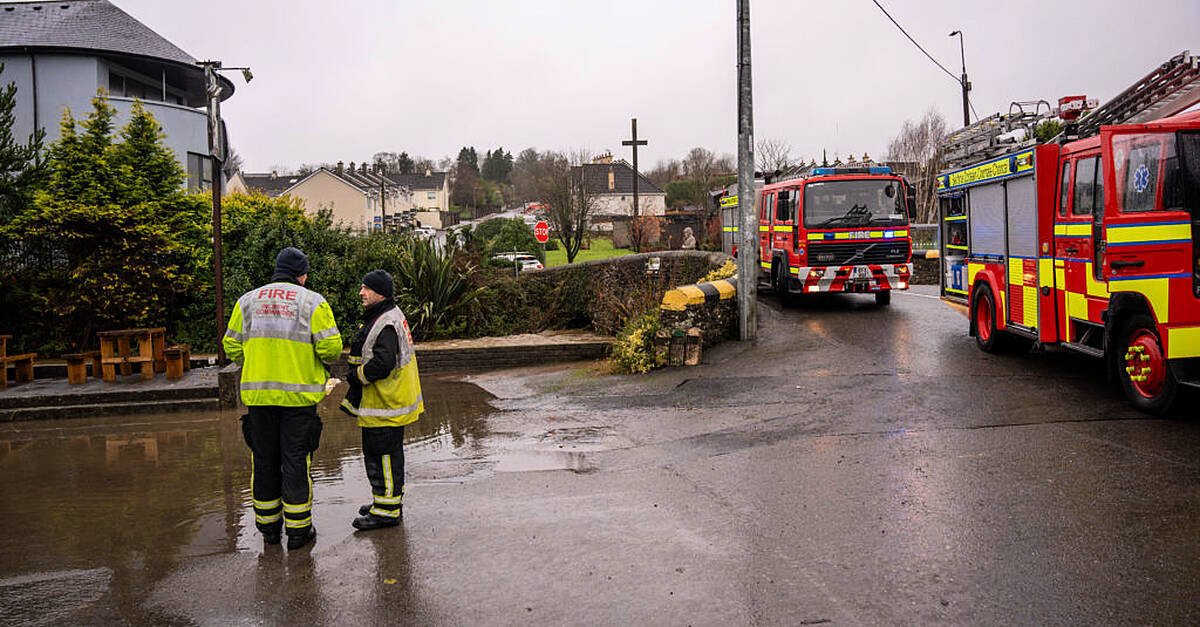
column 840, row 229
column 1088, row 245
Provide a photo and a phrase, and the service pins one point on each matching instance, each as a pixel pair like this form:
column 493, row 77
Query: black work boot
column 368, row 522
column 298, row 541
column 270, row 537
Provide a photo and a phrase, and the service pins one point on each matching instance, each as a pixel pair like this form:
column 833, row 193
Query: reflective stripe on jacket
column 283, row 335
column 394, row 400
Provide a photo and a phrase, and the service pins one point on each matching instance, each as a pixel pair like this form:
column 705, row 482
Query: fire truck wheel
column 786, row 297
column 884, row 298
column 984, row 316
column 1142, row 366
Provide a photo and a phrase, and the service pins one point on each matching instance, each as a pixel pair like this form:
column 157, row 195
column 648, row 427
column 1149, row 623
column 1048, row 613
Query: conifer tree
column 20, row 170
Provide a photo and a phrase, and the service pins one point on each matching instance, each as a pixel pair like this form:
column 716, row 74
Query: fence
column 924, row 236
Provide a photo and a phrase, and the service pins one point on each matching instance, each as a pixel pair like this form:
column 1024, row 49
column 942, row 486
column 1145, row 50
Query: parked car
column 425, row 232
column 524, row 261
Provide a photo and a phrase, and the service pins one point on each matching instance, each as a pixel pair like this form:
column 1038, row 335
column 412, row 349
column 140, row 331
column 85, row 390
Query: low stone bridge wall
column 710, row 307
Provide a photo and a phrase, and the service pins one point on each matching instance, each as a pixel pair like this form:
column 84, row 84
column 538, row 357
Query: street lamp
column 966, row 85
column 216, row 151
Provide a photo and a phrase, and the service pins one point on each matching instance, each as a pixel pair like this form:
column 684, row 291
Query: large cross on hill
column 635, row 142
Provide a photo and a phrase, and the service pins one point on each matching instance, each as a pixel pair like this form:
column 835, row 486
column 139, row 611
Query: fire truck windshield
column 856, row 202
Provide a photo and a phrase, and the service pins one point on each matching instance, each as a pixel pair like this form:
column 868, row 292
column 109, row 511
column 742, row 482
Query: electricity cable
column 935, row 61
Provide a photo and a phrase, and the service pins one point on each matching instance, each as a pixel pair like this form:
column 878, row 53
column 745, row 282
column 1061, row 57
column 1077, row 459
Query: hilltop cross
column 635, row 142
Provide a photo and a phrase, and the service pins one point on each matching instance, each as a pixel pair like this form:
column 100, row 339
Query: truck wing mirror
column 910, row 200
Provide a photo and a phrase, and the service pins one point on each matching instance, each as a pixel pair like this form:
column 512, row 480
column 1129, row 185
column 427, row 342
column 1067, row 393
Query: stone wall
column 711, row 307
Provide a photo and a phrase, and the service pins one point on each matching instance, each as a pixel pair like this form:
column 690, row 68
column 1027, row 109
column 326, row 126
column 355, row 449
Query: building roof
column 95, row 26
column 270, row 183
column 419, row 180
column 595, row 178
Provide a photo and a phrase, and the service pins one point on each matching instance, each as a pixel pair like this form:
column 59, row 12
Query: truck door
column 1147, row 230
column 1082, row 297
column 765, row 215
column 783, row 227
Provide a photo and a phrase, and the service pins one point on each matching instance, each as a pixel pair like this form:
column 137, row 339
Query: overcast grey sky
column 343, row 80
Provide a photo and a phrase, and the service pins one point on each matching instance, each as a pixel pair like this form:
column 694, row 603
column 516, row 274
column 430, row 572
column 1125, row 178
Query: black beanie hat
column 380, row 282
column 291, row 262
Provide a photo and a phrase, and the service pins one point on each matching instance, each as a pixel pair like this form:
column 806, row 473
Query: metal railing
column 924, row 236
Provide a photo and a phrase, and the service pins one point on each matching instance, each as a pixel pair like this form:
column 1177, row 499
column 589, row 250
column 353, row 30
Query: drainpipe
column 33, row 79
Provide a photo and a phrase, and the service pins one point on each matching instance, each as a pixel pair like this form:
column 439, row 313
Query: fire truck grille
column 846, row 253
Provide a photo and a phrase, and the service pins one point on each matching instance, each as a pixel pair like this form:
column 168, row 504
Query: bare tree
column 233, row 163
column 561, row 185
column 773, row 155
column 918, row 149
column 665, row 172
column 703, row 166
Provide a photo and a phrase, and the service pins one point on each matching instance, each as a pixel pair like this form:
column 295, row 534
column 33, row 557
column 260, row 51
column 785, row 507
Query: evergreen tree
column 126, row 266
column 468, row 160
column 148, row 168
column 404, row 163
column 20, row 170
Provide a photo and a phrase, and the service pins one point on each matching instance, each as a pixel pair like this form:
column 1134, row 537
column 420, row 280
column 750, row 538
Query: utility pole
column 747, row 288
column 216, row 151
column 966, row 85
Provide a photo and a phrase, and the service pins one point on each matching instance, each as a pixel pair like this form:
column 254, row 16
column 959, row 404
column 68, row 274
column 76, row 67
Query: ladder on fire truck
column 1169, row 89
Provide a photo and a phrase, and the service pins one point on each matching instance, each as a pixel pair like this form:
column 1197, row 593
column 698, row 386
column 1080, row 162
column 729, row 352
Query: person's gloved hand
column 352, row 377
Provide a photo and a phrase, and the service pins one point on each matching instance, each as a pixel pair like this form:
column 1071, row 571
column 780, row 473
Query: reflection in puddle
column 119, row 501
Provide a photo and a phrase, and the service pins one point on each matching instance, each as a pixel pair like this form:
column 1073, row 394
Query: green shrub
column 489, row 228
column 516, row 236
column 633, row 351
column 551, row 244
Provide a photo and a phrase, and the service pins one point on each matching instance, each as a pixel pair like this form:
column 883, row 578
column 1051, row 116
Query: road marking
column 920, row 295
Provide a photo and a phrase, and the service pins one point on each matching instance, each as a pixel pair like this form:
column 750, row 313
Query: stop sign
column 541, row 231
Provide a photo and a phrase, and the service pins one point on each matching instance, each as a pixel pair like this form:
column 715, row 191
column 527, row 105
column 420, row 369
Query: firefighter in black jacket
column 385, row 395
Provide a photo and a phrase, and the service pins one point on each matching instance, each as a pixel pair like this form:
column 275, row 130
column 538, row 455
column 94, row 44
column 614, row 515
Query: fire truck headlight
column 902, row 285
column 901, row 269
column 814, row 288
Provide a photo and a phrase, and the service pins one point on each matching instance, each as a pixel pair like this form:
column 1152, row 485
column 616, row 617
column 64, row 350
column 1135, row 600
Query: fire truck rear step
column 1083, row 348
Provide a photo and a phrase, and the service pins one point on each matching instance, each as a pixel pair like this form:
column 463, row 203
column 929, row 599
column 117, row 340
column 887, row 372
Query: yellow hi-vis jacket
column 394, row 400
column 283, row 335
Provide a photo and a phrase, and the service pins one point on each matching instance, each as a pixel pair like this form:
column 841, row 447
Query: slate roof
column 85, row 24
column 270, row 184
column 418, row 181
column 595, row 177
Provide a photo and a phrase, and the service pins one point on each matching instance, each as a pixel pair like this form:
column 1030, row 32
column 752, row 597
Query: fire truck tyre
column 1142, row 366
column 786, row 297
column 984, row 316
column 884, row 298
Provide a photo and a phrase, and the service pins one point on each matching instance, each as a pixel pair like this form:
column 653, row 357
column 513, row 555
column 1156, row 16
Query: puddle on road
column 118, row 502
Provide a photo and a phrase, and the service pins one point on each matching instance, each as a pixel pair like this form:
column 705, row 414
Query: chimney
column 341, row 166
column 274, row 174
column 428, row 173
column 612, row 180
column 351, row 168
column 362, row 168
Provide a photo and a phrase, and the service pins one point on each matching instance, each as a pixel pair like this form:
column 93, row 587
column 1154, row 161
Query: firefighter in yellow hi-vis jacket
column 283, row 335
column 385, row 395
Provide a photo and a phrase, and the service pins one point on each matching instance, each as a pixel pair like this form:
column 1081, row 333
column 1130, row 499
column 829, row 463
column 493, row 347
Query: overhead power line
column 935, row 61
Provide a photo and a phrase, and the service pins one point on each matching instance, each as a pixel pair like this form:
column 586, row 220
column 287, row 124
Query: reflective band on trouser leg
column 300, row 516
column 387, row 505
column 267, row 514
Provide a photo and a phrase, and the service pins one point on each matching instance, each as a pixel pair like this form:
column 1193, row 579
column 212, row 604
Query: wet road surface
column 856, row 465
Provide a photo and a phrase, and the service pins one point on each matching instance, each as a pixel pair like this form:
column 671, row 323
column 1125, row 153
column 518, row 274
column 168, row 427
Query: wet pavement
column 856, row 465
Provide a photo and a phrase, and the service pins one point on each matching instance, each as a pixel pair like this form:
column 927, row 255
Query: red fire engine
column 842, row 229
column 1088, row 243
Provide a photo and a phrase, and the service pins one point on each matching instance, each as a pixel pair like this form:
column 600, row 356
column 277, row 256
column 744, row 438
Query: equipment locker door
column 1023, row 260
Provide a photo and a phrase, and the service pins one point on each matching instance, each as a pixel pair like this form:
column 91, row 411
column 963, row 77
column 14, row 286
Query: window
column 1141, row 178
column 1085, row 186
column 1065, row 195
column 787, row 206
column 764, row 212
column 199, row 169
column 431, row 195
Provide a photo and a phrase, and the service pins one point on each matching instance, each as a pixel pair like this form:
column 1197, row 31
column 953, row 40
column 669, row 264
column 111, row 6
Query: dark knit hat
column 380, row 282
column 291, row 262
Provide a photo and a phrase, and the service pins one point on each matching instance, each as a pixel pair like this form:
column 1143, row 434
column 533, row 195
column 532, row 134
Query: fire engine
column 837, row 229
column 1088, row 242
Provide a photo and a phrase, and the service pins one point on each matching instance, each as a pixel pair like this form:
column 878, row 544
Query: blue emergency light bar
column 875, row 169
